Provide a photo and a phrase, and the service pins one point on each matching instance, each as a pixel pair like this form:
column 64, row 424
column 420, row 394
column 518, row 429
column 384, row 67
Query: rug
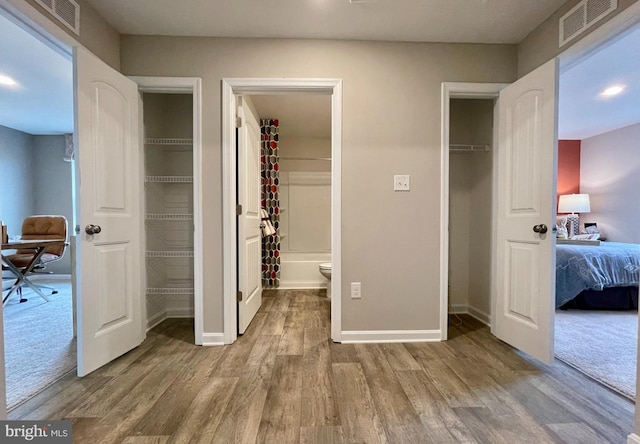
column 601, row 344
column 38, row 340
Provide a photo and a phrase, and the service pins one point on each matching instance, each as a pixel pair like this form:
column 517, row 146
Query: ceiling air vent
column 582, row 16
column 66, row 11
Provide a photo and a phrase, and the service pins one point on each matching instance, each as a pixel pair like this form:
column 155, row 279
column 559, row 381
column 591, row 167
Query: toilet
column 325, row 270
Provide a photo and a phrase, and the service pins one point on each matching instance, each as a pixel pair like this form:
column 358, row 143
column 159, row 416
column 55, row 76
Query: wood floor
column 284, row 381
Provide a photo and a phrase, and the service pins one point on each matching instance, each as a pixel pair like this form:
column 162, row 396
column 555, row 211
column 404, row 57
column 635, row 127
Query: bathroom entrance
column 296, row 192
column 299, row 196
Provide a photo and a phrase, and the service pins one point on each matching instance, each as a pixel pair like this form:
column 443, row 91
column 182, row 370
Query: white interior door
column 249, row 234
column 525, row 260
column 109, row 196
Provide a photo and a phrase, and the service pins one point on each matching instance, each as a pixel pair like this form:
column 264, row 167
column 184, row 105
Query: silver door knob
column 542, row 228
column 92, row 229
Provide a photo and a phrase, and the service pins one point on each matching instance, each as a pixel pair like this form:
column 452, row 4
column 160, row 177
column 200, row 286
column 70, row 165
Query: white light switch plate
column 401, row 182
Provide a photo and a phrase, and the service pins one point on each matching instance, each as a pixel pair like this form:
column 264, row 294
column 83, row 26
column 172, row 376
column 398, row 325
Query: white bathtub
column 300, row 270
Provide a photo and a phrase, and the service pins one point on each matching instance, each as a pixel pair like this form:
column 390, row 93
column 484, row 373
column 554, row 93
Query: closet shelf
column 169, row 179
column 464, row 148
column 170, row 290
column 155, row 216
column 165, row 141
column 170, row 253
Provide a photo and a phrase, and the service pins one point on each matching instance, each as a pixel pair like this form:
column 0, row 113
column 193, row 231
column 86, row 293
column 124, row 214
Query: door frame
column 236, row 86
column 459, row 90
column 617, row 26
column 193, row 86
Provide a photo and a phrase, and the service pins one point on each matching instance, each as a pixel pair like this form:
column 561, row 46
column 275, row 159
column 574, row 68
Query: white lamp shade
column 574, row 203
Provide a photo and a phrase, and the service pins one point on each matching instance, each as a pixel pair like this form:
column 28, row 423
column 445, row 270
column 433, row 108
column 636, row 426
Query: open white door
column 525, row 259
column 249, row 234
column 109, row 201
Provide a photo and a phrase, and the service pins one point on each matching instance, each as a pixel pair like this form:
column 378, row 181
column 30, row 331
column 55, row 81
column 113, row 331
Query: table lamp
column 574, row 203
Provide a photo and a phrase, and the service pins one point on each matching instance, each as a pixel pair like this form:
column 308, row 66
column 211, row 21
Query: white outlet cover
column 401, row 182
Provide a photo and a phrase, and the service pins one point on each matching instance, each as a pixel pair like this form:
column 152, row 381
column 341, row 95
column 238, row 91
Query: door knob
column 542, row 228
column 92, row 229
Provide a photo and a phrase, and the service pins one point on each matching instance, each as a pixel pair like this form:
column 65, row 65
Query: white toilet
column 325, row 270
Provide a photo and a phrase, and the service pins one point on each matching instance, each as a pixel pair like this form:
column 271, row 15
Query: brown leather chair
column 37, row 228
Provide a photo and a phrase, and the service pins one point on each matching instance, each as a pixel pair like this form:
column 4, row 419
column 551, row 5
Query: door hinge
column 238, row 210
column 239, row 296
column 238, row 122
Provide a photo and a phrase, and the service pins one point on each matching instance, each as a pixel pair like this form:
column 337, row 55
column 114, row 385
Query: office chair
column 37, row 228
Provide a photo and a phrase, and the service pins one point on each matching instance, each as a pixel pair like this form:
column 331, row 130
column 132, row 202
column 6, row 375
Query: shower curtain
column 270, row 201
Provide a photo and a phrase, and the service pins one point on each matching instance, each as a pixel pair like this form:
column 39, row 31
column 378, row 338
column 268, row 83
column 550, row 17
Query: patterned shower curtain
column 270, row 201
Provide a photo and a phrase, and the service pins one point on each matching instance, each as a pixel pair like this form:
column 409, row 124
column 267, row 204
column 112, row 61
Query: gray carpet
column 601, row 344
column 39, row 342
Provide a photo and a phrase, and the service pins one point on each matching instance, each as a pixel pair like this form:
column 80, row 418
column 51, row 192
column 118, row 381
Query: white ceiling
column 43, row 101
column 583, row 112
column 298, row 114
column 478, row 21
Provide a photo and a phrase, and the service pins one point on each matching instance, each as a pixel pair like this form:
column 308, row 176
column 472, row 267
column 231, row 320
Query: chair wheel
column 23, row 300
column 54, row 292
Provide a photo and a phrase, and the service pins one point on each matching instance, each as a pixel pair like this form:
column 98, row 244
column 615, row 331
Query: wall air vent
column 582, row 16
column 66, row 11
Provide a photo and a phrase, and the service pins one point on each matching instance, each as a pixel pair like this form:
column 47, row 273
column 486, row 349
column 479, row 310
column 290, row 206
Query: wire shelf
column 165, row 141
column 168, row 179
column 182, row 253
column 155, row 216
column 165, row 290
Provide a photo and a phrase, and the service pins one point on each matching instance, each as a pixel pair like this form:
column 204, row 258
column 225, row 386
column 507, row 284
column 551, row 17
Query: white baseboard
column 156, row 319
column 471, row 311
column 180, row 312
column 480, row 315
column 212, row 339
column 386, row 336
column 300, row 285
column 633, row 439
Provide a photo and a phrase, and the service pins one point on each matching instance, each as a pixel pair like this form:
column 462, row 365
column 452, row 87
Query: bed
column 597, row 277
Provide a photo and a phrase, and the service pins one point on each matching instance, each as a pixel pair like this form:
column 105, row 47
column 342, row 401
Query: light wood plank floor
column 284, row 381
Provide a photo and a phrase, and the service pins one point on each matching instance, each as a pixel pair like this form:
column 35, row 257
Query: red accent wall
column 568, row 167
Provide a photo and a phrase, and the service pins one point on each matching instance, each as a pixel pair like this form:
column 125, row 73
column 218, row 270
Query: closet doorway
column 470, row 206
column 469, row 174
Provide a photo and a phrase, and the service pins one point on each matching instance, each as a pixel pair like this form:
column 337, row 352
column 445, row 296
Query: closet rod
column 306, row 158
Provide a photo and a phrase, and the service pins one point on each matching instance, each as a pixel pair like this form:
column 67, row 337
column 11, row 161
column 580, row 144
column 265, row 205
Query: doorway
column 294, row 189
column 467, row 136
column 596, row 328
column 470, row 203
column 232, row 88
column 37, row 179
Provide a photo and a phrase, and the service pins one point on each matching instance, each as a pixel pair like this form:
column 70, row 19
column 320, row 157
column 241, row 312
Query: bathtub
column 300, row 270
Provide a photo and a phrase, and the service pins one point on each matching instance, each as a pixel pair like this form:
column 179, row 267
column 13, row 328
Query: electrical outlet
column 356, row 290
column 401, row 182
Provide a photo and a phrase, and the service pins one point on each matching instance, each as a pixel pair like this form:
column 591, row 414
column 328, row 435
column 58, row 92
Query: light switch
column 401, row 182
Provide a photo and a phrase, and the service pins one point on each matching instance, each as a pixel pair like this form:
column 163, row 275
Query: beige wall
column 95, row 33
column 391, row 125
column 542, row 43
column 609, row 165
column 304, row 147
